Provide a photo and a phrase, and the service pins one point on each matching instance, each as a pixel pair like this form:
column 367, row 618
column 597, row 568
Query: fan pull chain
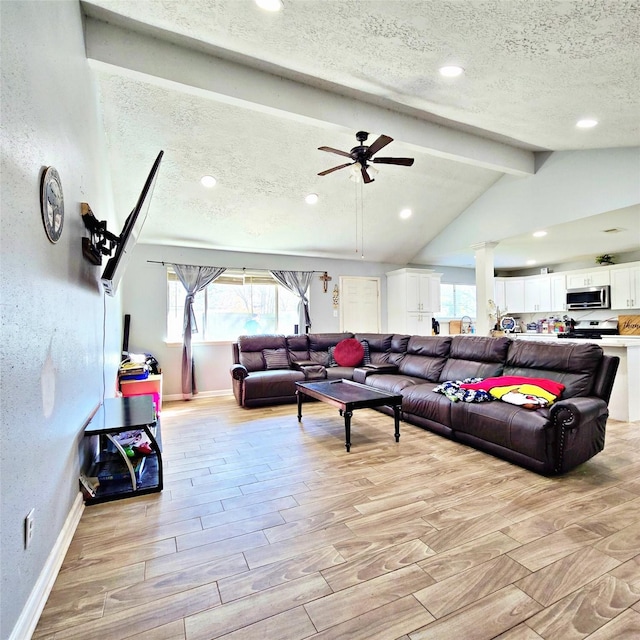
column 359, row 200
column 361, row 220
column 356, row 203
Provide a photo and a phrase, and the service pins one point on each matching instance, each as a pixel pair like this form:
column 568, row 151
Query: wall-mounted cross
column 325, row 280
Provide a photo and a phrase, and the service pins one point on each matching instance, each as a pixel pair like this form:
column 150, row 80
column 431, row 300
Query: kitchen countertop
column 624, row 404
column 606, row 341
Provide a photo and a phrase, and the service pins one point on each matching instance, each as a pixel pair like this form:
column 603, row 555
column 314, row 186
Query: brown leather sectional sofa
column 549, row 440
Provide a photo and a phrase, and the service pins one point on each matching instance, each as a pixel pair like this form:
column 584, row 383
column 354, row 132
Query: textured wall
column 145, row 288
column 53, row 314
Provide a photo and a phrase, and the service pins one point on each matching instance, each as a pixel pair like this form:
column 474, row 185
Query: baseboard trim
column 201, row 394
column 26, row 624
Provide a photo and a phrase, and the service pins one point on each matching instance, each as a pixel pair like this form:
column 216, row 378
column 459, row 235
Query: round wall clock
column 52, row 204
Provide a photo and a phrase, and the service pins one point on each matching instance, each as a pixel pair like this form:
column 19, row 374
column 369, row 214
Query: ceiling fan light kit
column 362, row 155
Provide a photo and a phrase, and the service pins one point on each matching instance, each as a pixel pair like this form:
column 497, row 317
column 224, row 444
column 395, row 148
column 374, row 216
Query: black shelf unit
column 118, row 416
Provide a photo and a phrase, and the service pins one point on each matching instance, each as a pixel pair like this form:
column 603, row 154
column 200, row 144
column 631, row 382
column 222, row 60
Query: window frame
column 440, row 317
column 231, row 277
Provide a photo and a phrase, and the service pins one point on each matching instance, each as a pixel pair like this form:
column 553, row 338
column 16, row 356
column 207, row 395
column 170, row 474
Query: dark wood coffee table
column 348, row 396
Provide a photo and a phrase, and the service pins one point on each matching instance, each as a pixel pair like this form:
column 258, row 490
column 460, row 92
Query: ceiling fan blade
column 407, row 162
column 331, row 150
column 365, row 176
column 382, row 141
column 341, row 166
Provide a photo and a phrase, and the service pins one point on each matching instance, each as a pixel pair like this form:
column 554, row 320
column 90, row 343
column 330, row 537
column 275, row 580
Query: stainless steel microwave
column 589, row 298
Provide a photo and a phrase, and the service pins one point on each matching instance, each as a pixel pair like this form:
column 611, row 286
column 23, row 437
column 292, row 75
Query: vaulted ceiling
column 247, row 96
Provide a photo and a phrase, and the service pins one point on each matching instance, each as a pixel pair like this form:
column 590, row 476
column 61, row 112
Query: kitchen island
column 625, row 396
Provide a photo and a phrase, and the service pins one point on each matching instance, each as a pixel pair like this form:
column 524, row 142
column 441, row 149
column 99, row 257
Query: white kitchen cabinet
column 558, row 283
column 413, row 295
column 423, row 292
column 625, row 288
column 418, row 324
column 514, row 295
column 588, row 279
column 537, row 294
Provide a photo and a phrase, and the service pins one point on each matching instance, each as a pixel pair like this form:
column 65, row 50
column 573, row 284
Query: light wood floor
column 269, row 530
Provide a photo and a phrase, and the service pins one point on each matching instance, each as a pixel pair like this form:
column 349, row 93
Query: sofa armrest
column 239, row 372
column 299, row 365
column 360, row 373
column 579, row 425
column 312, row 370
column 574, row 412
column 381, row 368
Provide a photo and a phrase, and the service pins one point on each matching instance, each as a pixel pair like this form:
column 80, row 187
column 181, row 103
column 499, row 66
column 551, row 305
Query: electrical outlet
column 28, row 529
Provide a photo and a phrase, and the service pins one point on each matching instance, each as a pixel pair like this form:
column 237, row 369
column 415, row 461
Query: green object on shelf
column 129, row 451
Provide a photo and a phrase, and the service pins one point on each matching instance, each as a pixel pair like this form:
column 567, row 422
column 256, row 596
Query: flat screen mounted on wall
column 127, row 241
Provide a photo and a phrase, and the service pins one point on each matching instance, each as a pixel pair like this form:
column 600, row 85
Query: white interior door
column 360, row 304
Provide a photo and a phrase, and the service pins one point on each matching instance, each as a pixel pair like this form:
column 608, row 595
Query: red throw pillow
column 349, row 352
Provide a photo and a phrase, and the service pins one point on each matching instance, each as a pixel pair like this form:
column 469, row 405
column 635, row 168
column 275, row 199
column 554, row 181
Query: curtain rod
column 243, row 268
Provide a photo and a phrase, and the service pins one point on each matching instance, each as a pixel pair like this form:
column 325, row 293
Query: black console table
column 118, row 422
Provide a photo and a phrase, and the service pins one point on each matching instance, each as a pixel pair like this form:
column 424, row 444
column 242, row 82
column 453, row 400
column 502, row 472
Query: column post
column 484, row 285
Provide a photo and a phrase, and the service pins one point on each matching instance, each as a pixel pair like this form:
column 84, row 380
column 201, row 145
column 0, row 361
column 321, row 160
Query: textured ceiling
column 319, row 71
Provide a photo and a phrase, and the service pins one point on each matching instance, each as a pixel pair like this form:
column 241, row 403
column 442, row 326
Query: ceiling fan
column 362, row 155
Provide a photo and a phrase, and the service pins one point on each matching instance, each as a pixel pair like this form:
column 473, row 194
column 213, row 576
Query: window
column 237, row 303
column 457, row 300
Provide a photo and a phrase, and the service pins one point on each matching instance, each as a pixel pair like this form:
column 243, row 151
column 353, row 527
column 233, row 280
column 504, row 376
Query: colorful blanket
column 453, row 390
column 530, row 393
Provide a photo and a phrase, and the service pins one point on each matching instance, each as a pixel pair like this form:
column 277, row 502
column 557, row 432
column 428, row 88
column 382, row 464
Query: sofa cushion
column 366, row 357
column 392, row 382
column 379, row 342
column 322, row 341
column 339, row 373
column 506, row 425
column 426, row 357
column 275, row 358
column 277, row 383
column 475, row 357
column 298, row 346
column 421, row 400
column 572, row 364
column 250, row 349
column 350, row 353
column 319, row 344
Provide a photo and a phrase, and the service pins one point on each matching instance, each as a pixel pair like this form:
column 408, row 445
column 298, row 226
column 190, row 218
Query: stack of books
column 133, row 371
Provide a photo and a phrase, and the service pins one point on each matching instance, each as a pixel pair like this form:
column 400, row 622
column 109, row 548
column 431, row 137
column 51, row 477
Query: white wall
column 567, row 186
column 52, row 346
column 145, row 298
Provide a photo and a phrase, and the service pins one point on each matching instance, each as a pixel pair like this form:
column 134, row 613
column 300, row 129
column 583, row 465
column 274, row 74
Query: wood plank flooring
column 268, row 530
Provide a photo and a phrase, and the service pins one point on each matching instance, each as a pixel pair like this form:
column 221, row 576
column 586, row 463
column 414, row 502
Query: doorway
column 360, row 304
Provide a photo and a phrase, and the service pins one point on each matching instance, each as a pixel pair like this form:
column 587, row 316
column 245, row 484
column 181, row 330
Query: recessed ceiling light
column 405, row 213
column 270, row 5
column 208, row 181
column 587, row 123
column 539, row 234
column 451, row 71
column 531, row 261
column 312, row 198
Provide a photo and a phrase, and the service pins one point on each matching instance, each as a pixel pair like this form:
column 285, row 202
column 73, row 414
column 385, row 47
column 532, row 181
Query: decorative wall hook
column 325, row 280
